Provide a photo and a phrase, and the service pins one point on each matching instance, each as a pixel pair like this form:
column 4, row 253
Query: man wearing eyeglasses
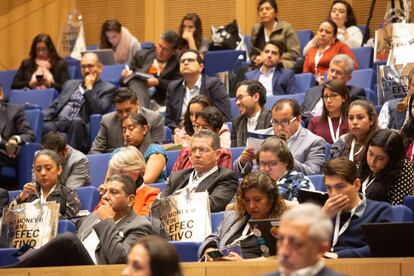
column 205, row 175
column 308, row 149
column 193, row 83
column 340, row 68
column 70, row 112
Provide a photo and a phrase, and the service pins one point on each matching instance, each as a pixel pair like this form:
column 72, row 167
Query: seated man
column 14, row 130
column 75, row 165
column 340, row 68
column 250, row 99
column 79, row 99
column 349, row 209
column 219, row 182
column 193, row 83
column 275, row 79
column 307, row 149
column 160, row 62
column 394, row 113
column 303, row 238
column 110, row 135
column 104, row 237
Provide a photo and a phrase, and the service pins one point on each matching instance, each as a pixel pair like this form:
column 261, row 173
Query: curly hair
column 264, row 184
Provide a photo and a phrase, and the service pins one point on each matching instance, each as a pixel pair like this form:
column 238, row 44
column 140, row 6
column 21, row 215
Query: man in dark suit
column 275, row 79
column 160, row 62
column 193, row 83
column 110, row 133
column 104, row 237
column 250, row 99
column 14, row 130
column 303, row 238
column 219, row 182
column 79, row 99
column 340, row 68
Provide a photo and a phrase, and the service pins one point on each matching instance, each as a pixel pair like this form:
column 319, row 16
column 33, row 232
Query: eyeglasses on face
column 189, row 60
column 283, row 123
column 331, row 96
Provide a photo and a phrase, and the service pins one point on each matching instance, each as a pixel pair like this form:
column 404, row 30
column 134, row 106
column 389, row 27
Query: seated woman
column 129, row 160
column 342, row 14
column 362, row 123
column 327, row 46
column 270, row 28
column 257, row 198
column 47, row 169
column 118, row 38
column 275, row 159
column 333, row 121
column 183, row 135
column 209, row 118
column 407, row 132
column 135, row 130
column 386, row 174
column 191, row 34
column 43, row 69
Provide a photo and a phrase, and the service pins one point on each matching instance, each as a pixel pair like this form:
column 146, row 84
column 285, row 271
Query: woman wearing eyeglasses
column 43, row 69
column 135, row 130
column 333, row 122
column 208, row 118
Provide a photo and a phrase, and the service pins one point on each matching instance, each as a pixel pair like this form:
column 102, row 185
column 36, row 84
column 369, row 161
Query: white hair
column 127, row 158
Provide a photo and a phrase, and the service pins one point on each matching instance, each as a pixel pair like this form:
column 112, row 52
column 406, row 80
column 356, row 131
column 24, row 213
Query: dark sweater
column 352, row 242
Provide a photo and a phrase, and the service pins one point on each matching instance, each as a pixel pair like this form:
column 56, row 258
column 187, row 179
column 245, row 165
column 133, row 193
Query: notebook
column 106, row 56
column 390, row 239
column 266, row 231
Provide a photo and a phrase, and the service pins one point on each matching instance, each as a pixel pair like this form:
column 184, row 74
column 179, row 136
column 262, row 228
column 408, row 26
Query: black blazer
column 211, row 87
column 221, row 186
column 13, row 122
column 97, row 100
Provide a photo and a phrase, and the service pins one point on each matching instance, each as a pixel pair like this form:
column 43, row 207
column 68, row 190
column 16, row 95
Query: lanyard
column 351, row 151
column 244, row 234
column 367, row 183
column 337, row 231
column 334, row 136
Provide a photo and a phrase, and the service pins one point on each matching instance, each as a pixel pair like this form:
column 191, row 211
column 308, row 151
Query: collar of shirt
column 307, row 271
column 294, row 136
column 362, row 205
column 197, row 85
column 269, row 72
column 205, row 174
column 43, row 197
column 252, row 121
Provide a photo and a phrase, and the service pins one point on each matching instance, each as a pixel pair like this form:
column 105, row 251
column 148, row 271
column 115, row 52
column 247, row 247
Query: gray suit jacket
column 110, row 133
column 307, row 149
column 239, row 129
column 221, row 186
column 115, row 238
column 75, row 169
column 324, row 272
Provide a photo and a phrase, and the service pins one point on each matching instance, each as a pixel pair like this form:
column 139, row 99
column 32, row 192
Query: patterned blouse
column 290, row 184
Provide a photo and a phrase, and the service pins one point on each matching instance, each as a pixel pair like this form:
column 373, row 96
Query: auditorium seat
column 409, row 202
column 160, row 185
column 236, row 152
column 172, row 156
column 66, row 225
column 365, row 78
column 147, row 45
column 318, row 182
column 168, row 137
column 304, row 37
column 216, row 219
column 6, row 257
column 89, row 197
column 221, row 61
column 401, row 213
column 304, row 81
column 35, row 119
column 371, row 96
column 112, row 73
column 33, row 99
column 13, row 194
column 187, row 251
column 6, row 80
column 98, row 165
column 364, row 56
column 94, row 125
column 272, row 99
column 234, row 110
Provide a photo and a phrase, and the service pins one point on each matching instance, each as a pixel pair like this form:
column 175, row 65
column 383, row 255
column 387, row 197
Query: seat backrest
column 272, row 99
column 304, row 37
column 236, row 152
column 6, row 80
column 401, row 213
column 111, row 73
column 89, row 197
column 13, row 194
column 6, row 257
column 94, row 125
column 168, row 137
column 172, row 156
column 318, row 182
column 234, row 110
column 304, row 81
column 66, row 225
column 371, row 96
column 160, row 185
column 409, row 202
column 216, row 219
column 98, row 165
column 364, row 78
column 225, row 60
column 364, row 56
column 35, row 119
column 40, row 98
column 187, row 251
